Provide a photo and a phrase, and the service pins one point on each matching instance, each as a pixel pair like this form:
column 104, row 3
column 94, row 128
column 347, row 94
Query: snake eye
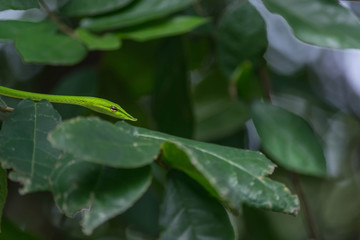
column 113, row 108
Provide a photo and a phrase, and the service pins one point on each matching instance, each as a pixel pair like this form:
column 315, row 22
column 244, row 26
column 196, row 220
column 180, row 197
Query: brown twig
column 311, row 224
column 159, row 160
column 6, row 109
column 56, row 18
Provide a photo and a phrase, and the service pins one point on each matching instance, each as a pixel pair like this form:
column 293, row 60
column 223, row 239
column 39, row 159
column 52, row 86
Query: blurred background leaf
column 288, row 139
column 189, row 212
column 171, row 101
column 320, row 22
column 95, row 42
column 242, row 36
column 162, row 28
column 92, row 7
column 19, row 5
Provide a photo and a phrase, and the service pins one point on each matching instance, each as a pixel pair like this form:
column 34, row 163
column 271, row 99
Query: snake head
column 109, row 108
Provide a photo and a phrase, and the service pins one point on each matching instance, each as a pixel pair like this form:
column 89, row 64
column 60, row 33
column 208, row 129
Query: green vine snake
column 96, row 104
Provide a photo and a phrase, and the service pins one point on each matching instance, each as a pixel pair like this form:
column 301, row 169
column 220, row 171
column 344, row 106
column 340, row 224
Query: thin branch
column 265, row 83
column 159, row 160
column 56, row 18
column 311, row 224
column 6, row 109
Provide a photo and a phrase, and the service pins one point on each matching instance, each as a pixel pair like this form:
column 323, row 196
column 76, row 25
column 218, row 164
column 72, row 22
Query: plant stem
column 311, row 224
column 6, row 109
column 56, row 18
column 265, row 83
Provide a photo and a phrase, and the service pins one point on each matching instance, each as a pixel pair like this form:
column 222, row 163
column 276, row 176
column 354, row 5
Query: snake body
column 96, row 104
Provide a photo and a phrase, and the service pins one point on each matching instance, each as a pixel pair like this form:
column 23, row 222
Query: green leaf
column 162, row 28
column 319, row 22
column 3, row 191
column 171, row 102
column 18, row 4
column 50, row 49
column 24, row 146
column 139, row 12
column 39, row 43
column 92, row 7
column 102, row 142
column 242, row 36
column 215, row 110
column 288, row 139
column 246, row 83
column 100, row 192
column 188, row 212
column 94, row 42
column 12, row 30
column 122, row 145
column 217, row 118
column 244, row 181
column 338, row 215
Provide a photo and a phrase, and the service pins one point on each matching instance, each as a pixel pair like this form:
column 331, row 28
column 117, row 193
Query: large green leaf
column 18, row 4
column 100, row 192
column 92, row 7
column 171, row 103
column 163, row 28
column 39, row 43
column 242, row 36
column 24, row 147
column 104, row 143
column 233, row 175
column 189, row 212
column 319, row 22
column 50, row 49
column 288, row 139
column 12, row 30
column 139, row 12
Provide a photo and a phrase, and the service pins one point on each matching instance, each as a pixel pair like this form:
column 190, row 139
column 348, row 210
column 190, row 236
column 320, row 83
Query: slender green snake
column 96, row 104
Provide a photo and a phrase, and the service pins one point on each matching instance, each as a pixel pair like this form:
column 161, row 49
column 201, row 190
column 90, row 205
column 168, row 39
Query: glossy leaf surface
column 188, row 212
column 162, row 28
column 127, row 146
column 289, row 140
column 139, row 12
column 319, row 22
column 24, row 147
column 100, row 192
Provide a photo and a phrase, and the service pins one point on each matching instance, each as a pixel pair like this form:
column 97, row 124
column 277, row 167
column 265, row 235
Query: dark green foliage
column 229, row 144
